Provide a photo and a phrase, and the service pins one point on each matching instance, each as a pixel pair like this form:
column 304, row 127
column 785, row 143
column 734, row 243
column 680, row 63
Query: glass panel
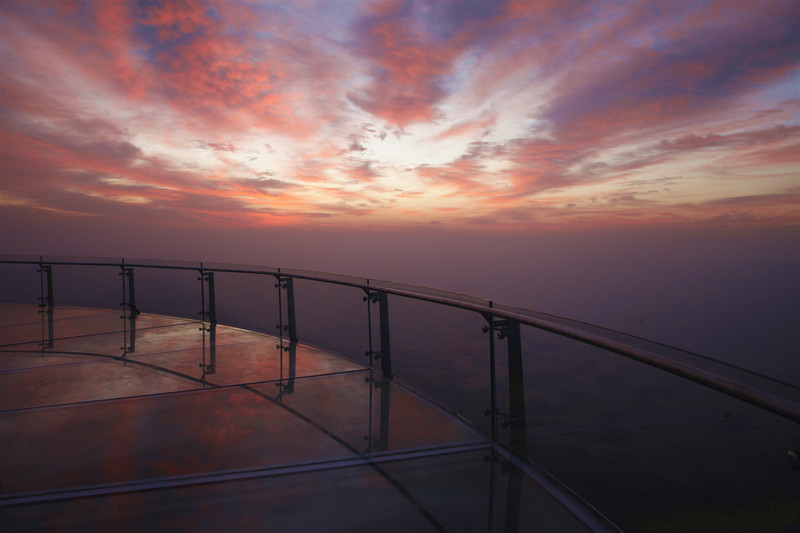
column 356, row 498
column 168, row 292
column 333, row 317
column 19, row 283
column 786, row 384
column 92, row 358
column 466, row 491
column 151, row 437
column 208, row 430
column 247, row 301
column 442, row 352
column 87, row 286
column 369, row 414
column 649, row 449
column 82, row 379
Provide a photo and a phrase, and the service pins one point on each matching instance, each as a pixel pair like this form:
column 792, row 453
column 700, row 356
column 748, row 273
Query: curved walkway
column 164, row 423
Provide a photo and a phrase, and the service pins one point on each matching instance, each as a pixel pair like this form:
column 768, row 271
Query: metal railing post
column 515, row 418
column 287, row 283
column 386, row 347
column 290, row 316
column 492, row 410
column 516, row 387
column 212, row 307
column 211, row 367
column 207, row 284
column 385, row 353
column 46, row 277
column 131, row 293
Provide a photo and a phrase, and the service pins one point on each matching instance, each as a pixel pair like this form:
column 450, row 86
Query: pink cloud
column 563, row 94
column 176, row 18
column 406, row 65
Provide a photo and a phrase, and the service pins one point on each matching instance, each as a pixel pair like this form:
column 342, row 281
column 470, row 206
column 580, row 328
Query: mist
column 731, row 294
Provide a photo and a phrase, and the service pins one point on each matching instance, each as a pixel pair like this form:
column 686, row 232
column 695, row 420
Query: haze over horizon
column 635, row 164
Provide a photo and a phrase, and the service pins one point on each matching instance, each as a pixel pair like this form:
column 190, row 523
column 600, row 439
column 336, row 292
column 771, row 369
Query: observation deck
column 221, row 397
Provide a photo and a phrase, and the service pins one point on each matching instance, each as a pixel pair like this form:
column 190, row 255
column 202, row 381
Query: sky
column 634, row 164
column 488, row 116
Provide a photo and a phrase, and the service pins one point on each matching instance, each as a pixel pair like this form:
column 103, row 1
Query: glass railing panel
column 168, row 292
column 20, row 283
column 247, row 301
column 83, row 330
column 367, row 413
column 785, row 384
column 443, row 352
column 649, row 449
column 97, row 287
column 238, row 356
column 331, row 316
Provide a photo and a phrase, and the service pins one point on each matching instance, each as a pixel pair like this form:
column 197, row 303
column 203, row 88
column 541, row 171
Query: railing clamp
column 503, row 328
column 374, row 354
column 373, row 297
column 46, row 272
column 506, row 420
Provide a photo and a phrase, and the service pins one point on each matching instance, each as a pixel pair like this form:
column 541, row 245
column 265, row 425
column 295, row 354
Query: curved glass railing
column 649, row 435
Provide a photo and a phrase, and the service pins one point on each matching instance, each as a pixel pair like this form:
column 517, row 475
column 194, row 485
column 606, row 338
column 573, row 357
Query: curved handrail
column 565, row 327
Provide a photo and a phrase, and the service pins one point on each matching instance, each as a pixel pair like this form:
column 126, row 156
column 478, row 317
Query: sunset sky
column 502, row 116
column 631, row 164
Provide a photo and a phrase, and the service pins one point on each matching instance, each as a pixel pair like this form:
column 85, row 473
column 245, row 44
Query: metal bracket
column 128, row 293
column 206, row 279
column 46, row 272
column 385, row 353
column 506, row 419
column 287, row 284
column 504, row 329
column 515, row 419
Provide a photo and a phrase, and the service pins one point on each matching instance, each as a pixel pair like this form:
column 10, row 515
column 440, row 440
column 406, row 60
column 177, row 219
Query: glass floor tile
column 248, row 432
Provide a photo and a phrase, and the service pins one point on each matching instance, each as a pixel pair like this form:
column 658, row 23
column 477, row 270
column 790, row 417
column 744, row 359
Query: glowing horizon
column 487, row 115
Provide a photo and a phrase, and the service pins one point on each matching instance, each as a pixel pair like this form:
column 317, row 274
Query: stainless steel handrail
column 571, row 329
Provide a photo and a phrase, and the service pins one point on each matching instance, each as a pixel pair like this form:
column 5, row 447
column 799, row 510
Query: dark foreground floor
column 164, row 424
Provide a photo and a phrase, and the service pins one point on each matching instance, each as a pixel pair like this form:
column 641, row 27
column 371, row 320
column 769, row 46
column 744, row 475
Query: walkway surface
column 160, row 423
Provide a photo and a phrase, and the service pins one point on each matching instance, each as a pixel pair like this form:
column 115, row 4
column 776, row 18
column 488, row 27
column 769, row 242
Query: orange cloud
column 523, row 113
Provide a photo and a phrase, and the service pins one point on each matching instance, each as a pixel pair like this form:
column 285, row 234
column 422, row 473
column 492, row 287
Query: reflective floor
column 111, row 423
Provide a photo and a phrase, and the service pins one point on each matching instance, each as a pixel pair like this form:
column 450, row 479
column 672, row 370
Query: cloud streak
column 504, row 115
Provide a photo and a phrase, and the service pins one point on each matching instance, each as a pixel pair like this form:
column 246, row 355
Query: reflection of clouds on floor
column 150, row 415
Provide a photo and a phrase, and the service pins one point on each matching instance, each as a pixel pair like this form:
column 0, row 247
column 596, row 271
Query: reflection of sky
column 513, row 115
